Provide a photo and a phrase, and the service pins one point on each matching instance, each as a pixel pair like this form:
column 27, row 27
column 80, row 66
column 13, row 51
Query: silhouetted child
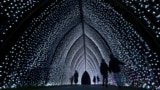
column 94, row 79
column 71, row 80
column 98, row 79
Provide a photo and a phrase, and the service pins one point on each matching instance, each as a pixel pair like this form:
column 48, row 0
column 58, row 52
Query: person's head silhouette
column 111, row 57
column 103, row 61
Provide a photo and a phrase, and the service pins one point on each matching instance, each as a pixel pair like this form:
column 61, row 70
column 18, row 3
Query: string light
column 44, row 54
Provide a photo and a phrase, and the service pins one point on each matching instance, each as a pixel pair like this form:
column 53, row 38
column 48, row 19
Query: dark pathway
column 82, row 87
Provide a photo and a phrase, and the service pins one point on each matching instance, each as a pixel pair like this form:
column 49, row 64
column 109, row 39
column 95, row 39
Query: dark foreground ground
column 79, row 87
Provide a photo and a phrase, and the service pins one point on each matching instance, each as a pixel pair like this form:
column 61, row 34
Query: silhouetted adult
column 104, row 72
column 114, row 66
column 76, row 77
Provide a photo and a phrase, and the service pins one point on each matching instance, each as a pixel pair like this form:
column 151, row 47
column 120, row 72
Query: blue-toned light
column 59, row 41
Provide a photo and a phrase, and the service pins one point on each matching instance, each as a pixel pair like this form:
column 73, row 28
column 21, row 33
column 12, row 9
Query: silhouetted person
column 98, row 79
column 94, row 79
column 76, row 77
column 114, row 66
column 104, row 72
column 71, row 80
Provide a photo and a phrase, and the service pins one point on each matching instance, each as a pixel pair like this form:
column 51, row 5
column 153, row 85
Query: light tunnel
column 42, row 43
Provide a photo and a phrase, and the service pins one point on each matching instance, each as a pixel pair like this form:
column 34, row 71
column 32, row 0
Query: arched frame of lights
column 54, row 40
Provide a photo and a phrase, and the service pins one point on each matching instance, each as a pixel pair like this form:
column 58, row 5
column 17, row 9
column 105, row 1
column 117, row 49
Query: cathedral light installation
column 42, row 43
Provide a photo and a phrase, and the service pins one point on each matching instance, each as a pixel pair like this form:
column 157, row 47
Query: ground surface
column 79, row 87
